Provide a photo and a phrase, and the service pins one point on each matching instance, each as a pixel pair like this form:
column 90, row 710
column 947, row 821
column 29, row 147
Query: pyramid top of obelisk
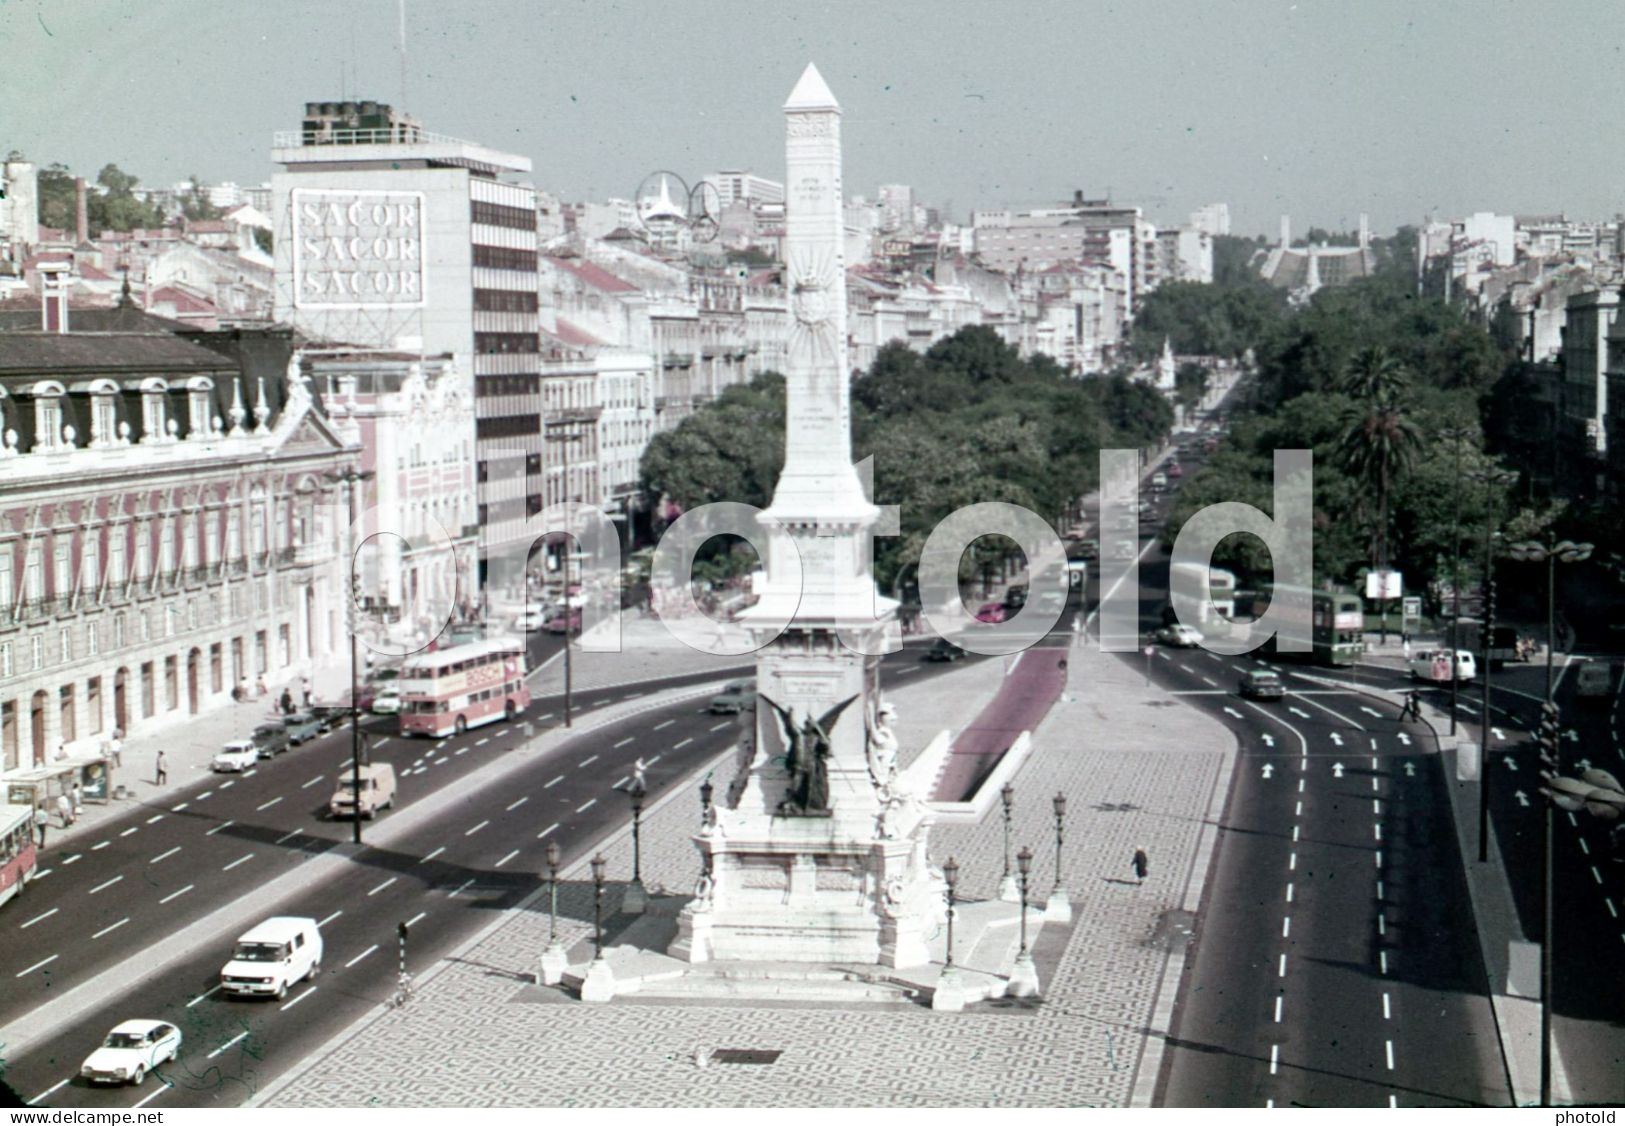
column 811, row 93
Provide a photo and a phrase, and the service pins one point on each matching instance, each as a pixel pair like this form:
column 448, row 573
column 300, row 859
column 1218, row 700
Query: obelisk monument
column 816, row 855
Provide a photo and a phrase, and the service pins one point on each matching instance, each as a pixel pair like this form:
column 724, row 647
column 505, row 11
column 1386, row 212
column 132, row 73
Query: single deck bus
column 450, row 690
column 18, row 856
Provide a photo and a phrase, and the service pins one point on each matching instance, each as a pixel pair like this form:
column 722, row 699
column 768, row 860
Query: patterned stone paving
column 1136, row 769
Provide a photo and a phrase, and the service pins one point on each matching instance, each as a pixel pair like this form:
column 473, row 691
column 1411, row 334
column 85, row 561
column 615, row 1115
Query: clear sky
column 1319, row 108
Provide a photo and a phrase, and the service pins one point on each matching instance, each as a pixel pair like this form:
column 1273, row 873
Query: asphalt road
column 446, row 877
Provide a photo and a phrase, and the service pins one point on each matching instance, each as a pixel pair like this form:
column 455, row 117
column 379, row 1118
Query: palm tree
column 1379, row 442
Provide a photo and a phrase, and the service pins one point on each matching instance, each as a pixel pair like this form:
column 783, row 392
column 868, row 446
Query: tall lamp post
column 636, row 899
column 1457, row 436
column 1491, row 479
column 352, row 476
column 1551, row 553
column 599, row 983
column 1007, row 885
column 1024, row 975
column 1059, row 907
column 554, row 960
column 565, row 432
column 949, row 995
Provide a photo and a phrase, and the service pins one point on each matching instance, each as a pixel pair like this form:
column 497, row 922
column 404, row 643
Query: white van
column 274, row 955
column 377, row 792
column 1434, row 665
column 1593, row 679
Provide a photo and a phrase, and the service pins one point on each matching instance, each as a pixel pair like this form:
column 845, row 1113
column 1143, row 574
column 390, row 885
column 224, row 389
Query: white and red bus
column 17, row 855
column 451, row 690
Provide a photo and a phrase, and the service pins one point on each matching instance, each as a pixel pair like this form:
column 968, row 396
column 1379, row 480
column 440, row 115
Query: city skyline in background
column 1298, row 109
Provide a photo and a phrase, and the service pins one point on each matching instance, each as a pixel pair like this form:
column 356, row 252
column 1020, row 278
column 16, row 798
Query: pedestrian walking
column 259, row 686
column 1142, row 865
column 161, row 774
column 304, row 687
column 78, row 799
column 1413, row 707
column 115, row 747
column 286, row 702
column 64, row 810
column 42, row 821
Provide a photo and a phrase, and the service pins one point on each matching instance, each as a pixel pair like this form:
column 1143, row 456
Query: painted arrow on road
column 1336, row 738
column 1497, row 732
column 1584, row 764
column 1511, row 765
column 1405, row 739
column 1232, row 712
column 1337, row 770
column 1268, row 770
column 1269, row 740
column 1373, row 712
column 1572, row 735
column 1410, row 770
column 1300, row 713
column 1523, row 798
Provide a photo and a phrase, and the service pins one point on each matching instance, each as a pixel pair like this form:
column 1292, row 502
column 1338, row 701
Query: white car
column 530, row 620
column 130, row 1051
column 236, row 756
column 387, row 701
column 1434, row 665
column 1180, row 636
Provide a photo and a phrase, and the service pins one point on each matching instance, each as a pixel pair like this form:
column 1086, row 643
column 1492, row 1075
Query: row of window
column 505, row 258
column 502, row 215
column 491, row 343
column 197, row 540
column 165, row 621
column 105, row 429
column 488, row 385
column 507, row 426
column 505, row 300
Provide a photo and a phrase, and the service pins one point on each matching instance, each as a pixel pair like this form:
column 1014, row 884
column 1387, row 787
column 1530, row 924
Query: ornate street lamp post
column 598, row 908
column 1491, row 479
column 1458, row 437
column 1024, row 975
column 352, row 477
column 1007, row 885
column 554, row 960
column 950, row 876
column 1551, row 553
column 1059, row 907
column 636, row 900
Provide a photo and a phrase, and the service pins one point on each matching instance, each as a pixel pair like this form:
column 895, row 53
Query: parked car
column 271, row 739
column 302, row 726
column 991, row 612
column 1159, row 481
column 1180, row 636
column 1175, row 470
column 944, row 650
column 235, row 757
column 377, row 791
column 738, row 696
column 1087, row 550
column 1263, row 684
column 273, row 956
column 387, row 701
column 132, row 1049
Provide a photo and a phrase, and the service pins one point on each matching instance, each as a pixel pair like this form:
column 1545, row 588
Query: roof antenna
column 402, row 9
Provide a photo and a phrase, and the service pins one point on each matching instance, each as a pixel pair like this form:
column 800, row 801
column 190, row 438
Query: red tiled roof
column 574, row 335
column 183, row 301
column 595, row 276
column 91, row 273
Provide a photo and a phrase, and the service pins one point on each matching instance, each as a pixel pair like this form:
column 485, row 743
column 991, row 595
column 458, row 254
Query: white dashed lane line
column 482, row 742
column 361, row 955
column 507, row 858
column 662, row 726
column 234, row 1040
column 330, row 918
column 518, row 803
column 111, row 929
column 547, row 830
column 39, row 918
column 39, row 965
column 589, row 759
column 176, row 894
column 624, row 742
column 217, row 828
column 297, row 999
column 313, row 782
column 383, row 885
column 95, row 848
column 155, row 818
column 267, row 805
column 131, row 829
column 244, row 859
column 476, row 828
column 553, row 783
column 66, row 860
column 590, row 803
column 433, row 854
column 724, row 723
column 104, row 887
column 164, row 855
column 202, row 996
column 683, row 744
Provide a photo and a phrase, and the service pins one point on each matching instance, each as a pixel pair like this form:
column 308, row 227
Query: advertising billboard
column 357, row 249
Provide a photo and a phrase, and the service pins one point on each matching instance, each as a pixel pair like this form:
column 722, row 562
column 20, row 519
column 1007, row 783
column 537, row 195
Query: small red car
column 991, row 612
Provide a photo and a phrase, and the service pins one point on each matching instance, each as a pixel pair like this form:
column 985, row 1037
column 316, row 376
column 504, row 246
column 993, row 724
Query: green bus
column 1336, row 630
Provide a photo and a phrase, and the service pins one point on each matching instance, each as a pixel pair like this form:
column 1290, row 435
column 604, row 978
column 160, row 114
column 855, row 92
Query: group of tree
column 110, row 201
column 967, row 421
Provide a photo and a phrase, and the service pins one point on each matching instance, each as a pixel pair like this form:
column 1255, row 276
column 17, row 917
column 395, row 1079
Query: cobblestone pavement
column 1137, row 769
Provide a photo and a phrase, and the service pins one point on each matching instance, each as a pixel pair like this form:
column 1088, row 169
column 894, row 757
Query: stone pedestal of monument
column 554, row 962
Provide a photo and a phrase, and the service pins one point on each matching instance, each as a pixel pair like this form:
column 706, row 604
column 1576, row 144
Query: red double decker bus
column 451, row 690
column 17, row 854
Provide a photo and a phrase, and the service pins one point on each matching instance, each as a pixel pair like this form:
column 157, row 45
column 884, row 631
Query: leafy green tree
column 1378, row 442
column 1190, row 384
column 56, row 197
column 195, row 203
